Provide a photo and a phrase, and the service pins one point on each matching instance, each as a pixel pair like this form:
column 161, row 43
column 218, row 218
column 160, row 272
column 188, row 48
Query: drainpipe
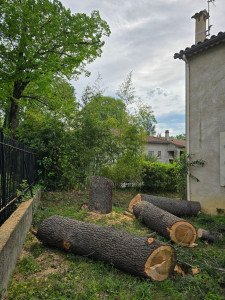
column 187, row 127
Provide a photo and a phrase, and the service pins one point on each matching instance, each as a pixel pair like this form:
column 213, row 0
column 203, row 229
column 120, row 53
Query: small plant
column 184, row 164
column 220, row 211
column 28, row 266
column 23, row 188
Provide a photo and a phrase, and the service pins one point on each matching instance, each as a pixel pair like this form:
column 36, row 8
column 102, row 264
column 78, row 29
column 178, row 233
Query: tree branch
column 37, row 99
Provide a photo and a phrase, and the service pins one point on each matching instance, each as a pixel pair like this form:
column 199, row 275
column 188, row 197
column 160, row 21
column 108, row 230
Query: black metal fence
column 17, row 171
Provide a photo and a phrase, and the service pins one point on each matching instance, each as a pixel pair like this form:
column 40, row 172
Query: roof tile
column 201, row 46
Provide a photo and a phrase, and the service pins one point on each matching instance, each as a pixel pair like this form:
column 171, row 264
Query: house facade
column 205, row 116
column 164, row 149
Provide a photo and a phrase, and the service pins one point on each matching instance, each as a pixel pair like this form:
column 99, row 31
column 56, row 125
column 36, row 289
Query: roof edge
column 194, row 49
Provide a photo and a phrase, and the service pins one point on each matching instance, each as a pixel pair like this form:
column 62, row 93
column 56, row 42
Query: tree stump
column 209, row 235
column 174, row 206
column 166, row 224
column 100, row 195
column 134, row 254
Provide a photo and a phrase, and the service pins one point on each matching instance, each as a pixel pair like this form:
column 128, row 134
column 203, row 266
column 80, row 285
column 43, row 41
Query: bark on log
column 138, row 255
column 171, row 227
column 176, row 207
column 100, row 195
column 209, row 235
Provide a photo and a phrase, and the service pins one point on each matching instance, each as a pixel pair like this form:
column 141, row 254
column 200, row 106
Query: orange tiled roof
column 162, row 140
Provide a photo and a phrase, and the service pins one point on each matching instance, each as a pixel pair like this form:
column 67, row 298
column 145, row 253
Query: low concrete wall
column 12, row 235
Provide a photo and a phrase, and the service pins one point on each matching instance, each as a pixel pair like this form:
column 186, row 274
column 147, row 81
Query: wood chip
column 150, row 240
column 178, row 270
column 193, row 245
column 195, row 270
column 127, row 214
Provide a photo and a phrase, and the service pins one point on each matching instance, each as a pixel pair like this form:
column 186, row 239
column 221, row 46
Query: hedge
column 158, row 177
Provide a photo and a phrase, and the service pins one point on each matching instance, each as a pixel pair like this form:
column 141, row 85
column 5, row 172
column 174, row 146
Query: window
column 159, row 154
column 151, row 153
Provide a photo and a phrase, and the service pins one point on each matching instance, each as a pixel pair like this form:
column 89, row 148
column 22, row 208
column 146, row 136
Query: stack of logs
column 150, row 209
column 139, row 255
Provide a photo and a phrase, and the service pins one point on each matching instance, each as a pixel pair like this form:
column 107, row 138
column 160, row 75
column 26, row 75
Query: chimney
column 200, row 25
column 167, row 135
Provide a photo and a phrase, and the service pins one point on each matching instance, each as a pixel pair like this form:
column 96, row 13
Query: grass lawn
column 47, row 273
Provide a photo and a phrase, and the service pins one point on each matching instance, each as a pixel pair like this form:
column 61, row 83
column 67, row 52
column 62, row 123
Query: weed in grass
column 28, row 265
column 37, row 249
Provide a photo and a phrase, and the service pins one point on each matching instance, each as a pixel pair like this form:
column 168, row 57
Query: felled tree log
column 100, row 194
column 164, row 223
column 176, row 207
column 209, row 235
column 139, row 255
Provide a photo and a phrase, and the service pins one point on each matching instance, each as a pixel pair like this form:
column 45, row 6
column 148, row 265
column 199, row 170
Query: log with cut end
column 100, row 195
column 174, row 206
column 171, row 227
column 209, row 235
column 139, row 255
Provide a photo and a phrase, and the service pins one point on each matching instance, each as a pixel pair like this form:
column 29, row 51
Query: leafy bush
column 158, row 177
column 127, row 169
column 57, row 151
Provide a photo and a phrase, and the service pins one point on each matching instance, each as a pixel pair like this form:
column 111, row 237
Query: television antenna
column 209, row 26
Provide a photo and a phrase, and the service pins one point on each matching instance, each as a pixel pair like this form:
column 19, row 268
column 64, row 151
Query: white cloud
column 145, row 35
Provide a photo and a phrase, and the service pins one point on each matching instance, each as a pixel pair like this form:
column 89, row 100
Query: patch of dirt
column 23, row 253
column 111, row 218
column 52, row 263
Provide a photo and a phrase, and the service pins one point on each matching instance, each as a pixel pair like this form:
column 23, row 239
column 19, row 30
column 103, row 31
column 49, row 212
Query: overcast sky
column 145, row 34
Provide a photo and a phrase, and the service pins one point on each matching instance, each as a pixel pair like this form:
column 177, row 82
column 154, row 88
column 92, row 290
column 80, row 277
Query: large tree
column 40, row 39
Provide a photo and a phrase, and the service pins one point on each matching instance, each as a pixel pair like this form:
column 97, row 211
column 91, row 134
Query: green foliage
column 46, row 40
column 95, row 137
column 127, row 169
column 145, row 117
column 55, row 97
column 159, row 177
column 28, row 265
column 23, row 187
column 57, row 159
column 181, row 136
column 184, row 165
column 126, row 91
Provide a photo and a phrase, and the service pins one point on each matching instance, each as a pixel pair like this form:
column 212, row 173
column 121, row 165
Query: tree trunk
column 166, row 224
column 209, row 235
column 12, row 121
column 174, row 206
column 12, row 118
column 100, row 195
column 138, row 255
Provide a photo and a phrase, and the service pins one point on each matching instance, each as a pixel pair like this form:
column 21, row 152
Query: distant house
column 164, row 148
column 205, row 115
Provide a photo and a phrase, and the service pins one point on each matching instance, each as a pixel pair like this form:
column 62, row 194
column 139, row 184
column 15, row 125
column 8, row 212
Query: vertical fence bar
column 17, row 165
column 3, row 177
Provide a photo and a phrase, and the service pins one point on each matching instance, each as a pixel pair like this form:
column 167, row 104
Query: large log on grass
column 171, row 227
column 100, row 194
column 138, row 255
column 174, row 206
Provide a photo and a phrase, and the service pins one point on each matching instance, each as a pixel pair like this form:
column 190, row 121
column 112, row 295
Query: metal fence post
column 3, row 177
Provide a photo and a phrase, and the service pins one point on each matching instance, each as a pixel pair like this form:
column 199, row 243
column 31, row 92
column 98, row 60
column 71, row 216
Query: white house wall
column 165, row 156
column 206, row 117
